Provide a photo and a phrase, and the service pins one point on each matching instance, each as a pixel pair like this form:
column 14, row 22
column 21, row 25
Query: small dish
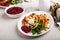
column 11, row 8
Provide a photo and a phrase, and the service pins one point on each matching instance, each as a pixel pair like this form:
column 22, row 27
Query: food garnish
column 14, row 1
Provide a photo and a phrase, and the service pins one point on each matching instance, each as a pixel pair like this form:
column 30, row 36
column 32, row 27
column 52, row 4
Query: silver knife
column 57, row 23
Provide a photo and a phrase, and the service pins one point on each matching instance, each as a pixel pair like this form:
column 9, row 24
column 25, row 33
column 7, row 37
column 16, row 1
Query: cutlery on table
column 57, row 22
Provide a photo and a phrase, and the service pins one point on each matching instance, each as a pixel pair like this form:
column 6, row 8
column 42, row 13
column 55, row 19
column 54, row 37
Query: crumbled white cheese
column 31, row 21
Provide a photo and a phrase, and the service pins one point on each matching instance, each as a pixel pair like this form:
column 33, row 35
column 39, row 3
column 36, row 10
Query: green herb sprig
column 37, row 29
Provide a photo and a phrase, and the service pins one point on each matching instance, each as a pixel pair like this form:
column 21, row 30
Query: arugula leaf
column 33, row 31
column 40, row 25
column 36, row 30
column 15, row 2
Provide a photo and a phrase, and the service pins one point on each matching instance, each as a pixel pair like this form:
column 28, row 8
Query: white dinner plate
column 51, row 23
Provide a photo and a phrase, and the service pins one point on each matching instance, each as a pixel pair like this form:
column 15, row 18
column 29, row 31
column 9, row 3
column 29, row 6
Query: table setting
column 30, row 20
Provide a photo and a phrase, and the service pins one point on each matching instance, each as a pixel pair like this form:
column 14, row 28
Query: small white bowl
column 13, row 15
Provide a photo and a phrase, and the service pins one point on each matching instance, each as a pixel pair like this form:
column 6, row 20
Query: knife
column 57, row 23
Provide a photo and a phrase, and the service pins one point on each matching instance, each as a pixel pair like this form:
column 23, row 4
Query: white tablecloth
column 8, row 29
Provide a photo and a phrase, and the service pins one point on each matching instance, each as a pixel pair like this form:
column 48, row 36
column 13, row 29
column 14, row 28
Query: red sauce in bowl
column 5, row 4
column 25, row 29
column 15, row 10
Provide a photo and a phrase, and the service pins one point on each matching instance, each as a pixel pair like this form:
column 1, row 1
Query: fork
column 57, row 22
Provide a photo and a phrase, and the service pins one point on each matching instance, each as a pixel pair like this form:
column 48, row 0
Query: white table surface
column 8, row 29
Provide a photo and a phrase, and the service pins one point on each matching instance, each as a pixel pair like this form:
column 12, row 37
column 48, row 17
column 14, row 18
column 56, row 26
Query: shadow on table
column 5, row 16
column 27, row 37
column 2, row 8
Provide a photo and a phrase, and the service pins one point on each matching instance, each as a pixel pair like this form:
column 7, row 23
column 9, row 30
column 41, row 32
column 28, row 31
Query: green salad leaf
column 37, row 29
column 40, row 25
column 12, row 2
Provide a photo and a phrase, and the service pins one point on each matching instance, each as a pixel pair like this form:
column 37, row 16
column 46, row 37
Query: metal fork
column 57, row 22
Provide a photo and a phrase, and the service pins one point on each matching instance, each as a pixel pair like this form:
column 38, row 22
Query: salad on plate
column 35, row 23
